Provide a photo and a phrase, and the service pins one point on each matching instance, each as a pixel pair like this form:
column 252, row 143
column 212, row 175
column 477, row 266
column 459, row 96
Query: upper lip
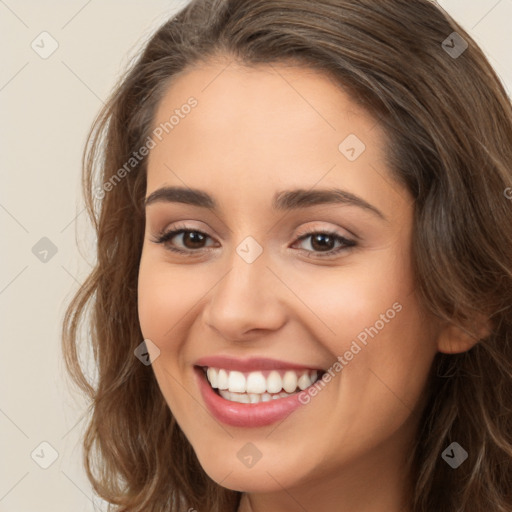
column 251, row 364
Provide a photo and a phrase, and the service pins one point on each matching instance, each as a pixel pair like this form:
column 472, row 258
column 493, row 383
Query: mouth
column 253, row 392
column 259, row 386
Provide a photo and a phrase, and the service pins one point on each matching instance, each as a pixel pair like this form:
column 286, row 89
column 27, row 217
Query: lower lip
column 245, row 415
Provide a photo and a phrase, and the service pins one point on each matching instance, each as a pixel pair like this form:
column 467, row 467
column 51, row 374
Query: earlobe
column 454, row 339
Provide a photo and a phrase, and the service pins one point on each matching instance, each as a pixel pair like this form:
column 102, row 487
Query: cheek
column 165, row 305
column 386, row 349
column 351, row 299
column 372, row 319
column 165, row 297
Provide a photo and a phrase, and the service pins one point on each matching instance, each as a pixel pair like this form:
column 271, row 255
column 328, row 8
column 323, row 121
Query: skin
column 254, row 132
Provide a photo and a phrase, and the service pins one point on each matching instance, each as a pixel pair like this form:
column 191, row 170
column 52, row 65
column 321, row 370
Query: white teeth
column 211, row 373
column 225, row 394
column 304, row 381
column 222, row 379
column 254, row 398
column 289, row 382
column 243, row 398
column 274, row 382
column 236, row 382
column 255, row 383
column 250, row 398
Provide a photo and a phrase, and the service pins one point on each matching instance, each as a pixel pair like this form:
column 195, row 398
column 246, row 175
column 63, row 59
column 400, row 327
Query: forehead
column 260, row 127
column 273, row 96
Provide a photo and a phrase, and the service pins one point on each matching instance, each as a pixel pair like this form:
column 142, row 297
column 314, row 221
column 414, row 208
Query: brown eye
column 191, row 240
column 325, row 242
column 322, row 242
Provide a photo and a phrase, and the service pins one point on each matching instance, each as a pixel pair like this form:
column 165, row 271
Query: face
column 290, row 261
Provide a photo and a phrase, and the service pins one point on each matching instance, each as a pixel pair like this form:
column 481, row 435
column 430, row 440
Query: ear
column 454, row 339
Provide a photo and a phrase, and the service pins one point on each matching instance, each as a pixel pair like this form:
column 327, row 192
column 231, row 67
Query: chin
column 264, row 477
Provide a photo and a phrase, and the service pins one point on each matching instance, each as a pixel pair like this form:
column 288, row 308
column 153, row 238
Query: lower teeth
column 251, row 398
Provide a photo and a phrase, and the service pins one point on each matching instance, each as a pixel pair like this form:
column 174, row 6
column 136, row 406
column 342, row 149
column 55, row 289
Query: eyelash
column 163, row 238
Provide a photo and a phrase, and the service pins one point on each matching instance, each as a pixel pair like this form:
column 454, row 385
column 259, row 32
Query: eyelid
column 180, row 225
column 315, row 228
column 176, row 229
column 347, row 242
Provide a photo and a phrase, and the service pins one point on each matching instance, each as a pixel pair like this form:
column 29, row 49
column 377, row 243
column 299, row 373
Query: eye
column 322, row 243
column 192, row 239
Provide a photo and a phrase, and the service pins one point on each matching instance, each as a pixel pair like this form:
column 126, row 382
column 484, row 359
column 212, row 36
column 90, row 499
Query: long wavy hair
column 449, row 123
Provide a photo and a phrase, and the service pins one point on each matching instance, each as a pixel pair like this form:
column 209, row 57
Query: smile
column 253, row 392
column 258, row 386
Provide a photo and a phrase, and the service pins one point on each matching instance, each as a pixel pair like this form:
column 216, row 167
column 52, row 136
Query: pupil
column 318, row 238
column 195, row 238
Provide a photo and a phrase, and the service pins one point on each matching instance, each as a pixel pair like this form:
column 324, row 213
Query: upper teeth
column 256, row 382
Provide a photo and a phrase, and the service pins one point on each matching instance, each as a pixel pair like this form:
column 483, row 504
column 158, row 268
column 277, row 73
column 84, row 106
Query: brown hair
column 449, row 123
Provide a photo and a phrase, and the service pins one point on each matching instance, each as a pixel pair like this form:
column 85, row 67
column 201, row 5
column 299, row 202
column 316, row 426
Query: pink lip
column 251, row 364
column 244, row 415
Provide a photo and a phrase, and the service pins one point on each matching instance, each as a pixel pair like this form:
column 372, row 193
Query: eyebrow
column 282, row 201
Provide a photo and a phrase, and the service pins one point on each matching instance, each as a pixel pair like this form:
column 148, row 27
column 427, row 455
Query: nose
column 248, row 301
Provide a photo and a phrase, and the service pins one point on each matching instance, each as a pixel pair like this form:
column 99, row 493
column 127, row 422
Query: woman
column 302, row 299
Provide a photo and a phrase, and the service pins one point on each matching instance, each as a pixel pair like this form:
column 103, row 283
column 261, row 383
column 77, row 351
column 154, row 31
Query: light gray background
column 47, row 106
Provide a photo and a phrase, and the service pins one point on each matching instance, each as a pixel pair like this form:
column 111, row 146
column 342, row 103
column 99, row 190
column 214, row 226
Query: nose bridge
column 247, row 297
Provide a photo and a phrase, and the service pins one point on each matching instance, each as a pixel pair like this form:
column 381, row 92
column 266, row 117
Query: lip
column 244, row 415
column 251, row 364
